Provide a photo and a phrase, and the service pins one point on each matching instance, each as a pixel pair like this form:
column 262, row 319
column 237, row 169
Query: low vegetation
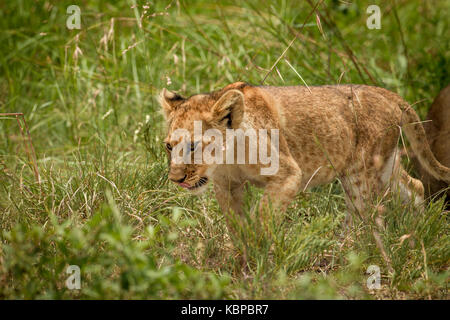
column 103, row 201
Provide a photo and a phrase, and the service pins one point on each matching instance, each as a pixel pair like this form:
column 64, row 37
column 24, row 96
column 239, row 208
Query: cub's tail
column 415, row 133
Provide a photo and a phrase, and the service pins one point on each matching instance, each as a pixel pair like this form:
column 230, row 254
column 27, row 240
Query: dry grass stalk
column 27, row 141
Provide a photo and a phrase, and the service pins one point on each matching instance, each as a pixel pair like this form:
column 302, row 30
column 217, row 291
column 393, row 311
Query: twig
column 28, row 143
column 328, row 21
column 298, row 75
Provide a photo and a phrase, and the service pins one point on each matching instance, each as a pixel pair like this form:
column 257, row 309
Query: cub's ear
column 169, row 101
column 228, row 111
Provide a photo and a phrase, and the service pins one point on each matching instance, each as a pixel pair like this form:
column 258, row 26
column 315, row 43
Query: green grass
column 104, row 202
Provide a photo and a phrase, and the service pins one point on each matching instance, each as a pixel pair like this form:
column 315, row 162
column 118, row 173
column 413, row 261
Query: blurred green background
column 89, row 98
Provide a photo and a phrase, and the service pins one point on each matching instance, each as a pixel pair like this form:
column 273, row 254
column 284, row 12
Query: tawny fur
column 349, row 132
column 437, row 128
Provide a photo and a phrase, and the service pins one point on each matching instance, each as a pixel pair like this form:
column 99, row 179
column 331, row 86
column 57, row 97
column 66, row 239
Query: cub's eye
column 168, row 146
column 194, row 145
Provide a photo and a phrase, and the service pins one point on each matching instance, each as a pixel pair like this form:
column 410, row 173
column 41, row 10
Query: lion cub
column 318, row 134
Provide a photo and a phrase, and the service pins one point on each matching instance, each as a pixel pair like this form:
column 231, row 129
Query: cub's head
column 189, row 123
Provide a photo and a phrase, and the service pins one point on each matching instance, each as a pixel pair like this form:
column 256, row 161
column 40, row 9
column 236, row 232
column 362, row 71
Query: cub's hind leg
column 393, row 175
column 359, row 189
column 411, row 189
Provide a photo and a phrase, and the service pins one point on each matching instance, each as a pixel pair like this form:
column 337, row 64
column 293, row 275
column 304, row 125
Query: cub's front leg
column 229, row 195
column 282, row 187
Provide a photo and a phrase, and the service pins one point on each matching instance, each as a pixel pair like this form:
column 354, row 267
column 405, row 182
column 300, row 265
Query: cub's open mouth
column 198, row 184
